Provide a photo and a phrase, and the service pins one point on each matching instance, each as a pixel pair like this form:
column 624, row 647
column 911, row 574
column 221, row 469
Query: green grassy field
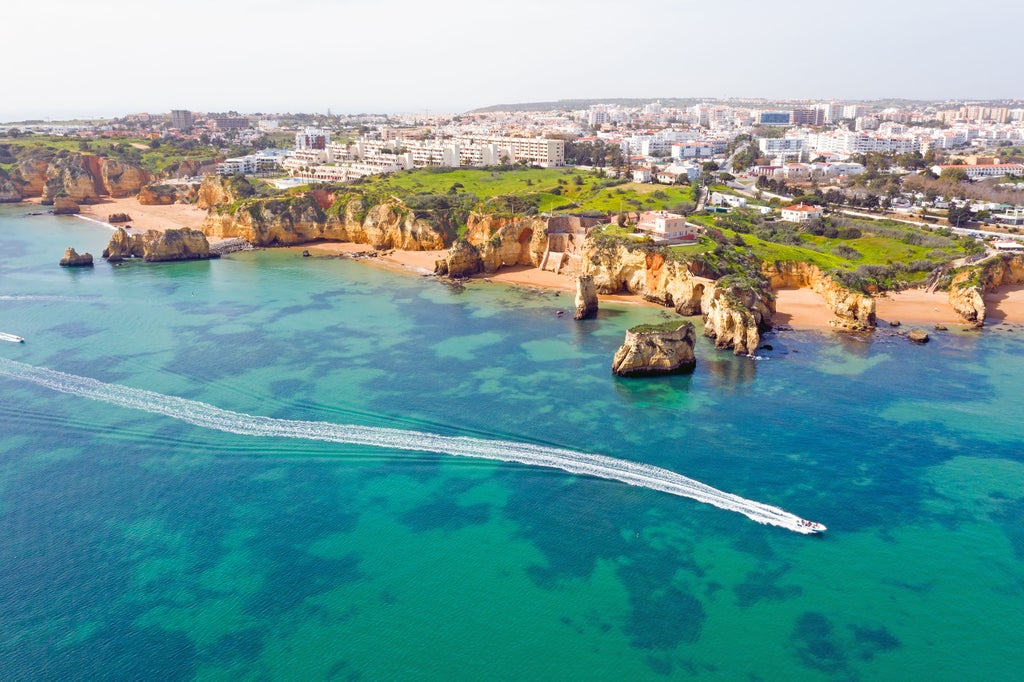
column 136, row 150
column 548, row 189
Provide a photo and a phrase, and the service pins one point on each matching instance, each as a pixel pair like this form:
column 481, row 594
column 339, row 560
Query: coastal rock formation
column 154, row 245
column 735, row 315
column 619, row 269
column 853, row 309
column 302, row 219
column 64, row 205
column 73, row 259
column 222, row 191
column 31, row 174
column 918, row 336
column 70, row 174
column 504, row 241
column 119, row 218
column 157, row 195
column 9, row 191
column 462, row 260
column 586, row 298
column 736, row 310
column 122, row 179
column 649, row 351
column 969, row 284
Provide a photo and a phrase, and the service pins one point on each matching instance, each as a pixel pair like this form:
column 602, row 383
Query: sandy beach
column 147, row 217
column 804, row 309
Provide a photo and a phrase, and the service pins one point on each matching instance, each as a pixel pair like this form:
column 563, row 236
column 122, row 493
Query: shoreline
column 800, row 309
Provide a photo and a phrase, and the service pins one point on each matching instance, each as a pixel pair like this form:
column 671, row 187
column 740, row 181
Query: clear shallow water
column 134, row 545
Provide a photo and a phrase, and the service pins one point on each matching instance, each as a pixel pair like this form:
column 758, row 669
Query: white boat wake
column 583, row 464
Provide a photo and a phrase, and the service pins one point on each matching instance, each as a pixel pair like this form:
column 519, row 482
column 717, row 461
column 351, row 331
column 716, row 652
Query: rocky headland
column 968, row 284
column 84, row 178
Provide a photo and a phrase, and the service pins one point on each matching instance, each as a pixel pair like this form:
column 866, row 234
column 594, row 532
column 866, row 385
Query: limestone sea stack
column 64, row 205
column 651, row 350
column 156, row 246
column 586, row 298
column 73, row 259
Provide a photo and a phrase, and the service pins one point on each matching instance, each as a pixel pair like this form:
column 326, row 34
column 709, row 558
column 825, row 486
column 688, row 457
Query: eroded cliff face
column 299, row 220
column 121, row 179
column 70, row 175
column 82, row 177
column 504, row 241
column 853, row 309
column 461, row 260
column 9, row 191
column 653, row 352
column 970, row 284
column 155, row 246
column 736, row 316
column 735, row 313
column 620, row 269
column 31, row 174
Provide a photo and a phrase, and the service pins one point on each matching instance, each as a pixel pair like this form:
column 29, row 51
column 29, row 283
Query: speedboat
column 4, row 336
column 811, row 526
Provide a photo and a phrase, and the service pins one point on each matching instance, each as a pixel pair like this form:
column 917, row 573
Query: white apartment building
column 787, row 147
column 862, row 142
column 994, row 170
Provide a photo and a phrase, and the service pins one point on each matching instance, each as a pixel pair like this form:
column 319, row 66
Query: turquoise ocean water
column 136, row 545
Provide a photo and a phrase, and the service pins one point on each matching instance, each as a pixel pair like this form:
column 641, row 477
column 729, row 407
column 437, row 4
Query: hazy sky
column 110, row 57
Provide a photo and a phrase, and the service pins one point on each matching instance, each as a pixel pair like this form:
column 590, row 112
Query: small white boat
column 811, row 526
column 4, row 336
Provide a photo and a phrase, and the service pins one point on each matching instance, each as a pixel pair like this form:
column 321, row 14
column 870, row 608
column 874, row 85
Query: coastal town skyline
column 453, row 56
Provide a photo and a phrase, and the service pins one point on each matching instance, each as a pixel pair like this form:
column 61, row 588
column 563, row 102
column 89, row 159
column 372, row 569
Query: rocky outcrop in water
column 649, row 351
column 735, row 315
column 462, row 260
column 586, row 298
column 64, row 205
column 73, row 259
column 852, row 309
column 155, row 246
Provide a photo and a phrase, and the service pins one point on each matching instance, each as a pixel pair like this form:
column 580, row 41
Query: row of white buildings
column 316, row 157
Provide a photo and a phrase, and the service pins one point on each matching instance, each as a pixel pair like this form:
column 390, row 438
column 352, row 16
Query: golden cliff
column 969, row 284
column 155, row 246
column 302, row 219
column 736, row 307
column 852, row 309
column 82, row 177
column 650, row 350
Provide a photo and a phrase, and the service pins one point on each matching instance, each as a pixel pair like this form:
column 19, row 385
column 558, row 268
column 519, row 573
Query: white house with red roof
column 801, row 213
